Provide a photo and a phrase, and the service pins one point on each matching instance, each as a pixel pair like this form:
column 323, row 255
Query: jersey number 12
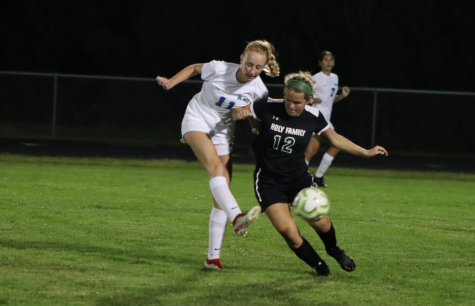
column 289, row 142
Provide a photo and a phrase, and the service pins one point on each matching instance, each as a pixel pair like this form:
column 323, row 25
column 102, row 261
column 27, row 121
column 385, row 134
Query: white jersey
column 327, row 87
column 221, row 92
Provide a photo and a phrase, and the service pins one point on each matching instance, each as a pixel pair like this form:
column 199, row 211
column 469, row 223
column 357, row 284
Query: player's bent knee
column 292, row 237
column 217, row 168
column 322, row 225
column 333, row 151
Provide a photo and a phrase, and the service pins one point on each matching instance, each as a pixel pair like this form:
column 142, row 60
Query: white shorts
column 222, row 142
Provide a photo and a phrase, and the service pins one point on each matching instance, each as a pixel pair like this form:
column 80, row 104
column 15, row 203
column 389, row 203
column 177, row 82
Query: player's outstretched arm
column 317, row 101
column 344, row 93
column 240, row 113
column 181, row 76
column 344, row 144
column 245, row 112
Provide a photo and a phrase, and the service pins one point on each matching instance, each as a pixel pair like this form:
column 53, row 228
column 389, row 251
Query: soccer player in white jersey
column 208, row 128
column 324, row 97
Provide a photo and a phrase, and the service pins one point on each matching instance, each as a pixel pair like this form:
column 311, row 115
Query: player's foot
column 319, row 181
column 345, row 261
column 323, row 270
column 243, row 220
column 213, row 264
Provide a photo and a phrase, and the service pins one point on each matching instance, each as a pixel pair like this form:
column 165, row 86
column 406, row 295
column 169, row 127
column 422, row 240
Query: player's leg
column 325, row 163
column 332, row 151
column 326, row 232
column 217, row 226
column 242, row 221
column 217, row 223
column 279, row 215
column 205, row 151
column 312, row 148
column 272, row 196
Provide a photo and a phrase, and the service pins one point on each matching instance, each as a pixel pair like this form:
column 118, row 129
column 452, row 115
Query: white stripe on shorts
column 257, row 180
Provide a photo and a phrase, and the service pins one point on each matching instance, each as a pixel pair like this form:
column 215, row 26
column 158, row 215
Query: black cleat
column 319, row 181
column 323, row 270
column 345, row 261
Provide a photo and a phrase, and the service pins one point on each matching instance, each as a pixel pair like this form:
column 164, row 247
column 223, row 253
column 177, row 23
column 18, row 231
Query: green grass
column 130, row 232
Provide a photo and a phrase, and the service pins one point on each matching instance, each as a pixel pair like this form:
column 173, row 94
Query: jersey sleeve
column 320, row 130
column 260, row 91
column 321, row 123
column 258, row 107
column 212, row 69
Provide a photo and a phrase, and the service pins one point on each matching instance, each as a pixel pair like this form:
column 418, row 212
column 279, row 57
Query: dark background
column 422, row 44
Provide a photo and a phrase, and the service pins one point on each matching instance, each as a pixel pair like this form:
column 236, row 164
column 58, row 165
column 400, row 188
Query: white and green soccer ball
column 311, row 204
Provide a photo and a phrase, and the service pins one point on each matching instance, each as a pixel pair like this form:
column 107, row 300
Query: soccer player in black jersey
column 286, row 127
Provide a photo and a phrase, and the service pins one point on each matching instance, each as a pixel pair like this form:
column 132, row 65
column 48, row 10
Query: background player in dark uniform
column 281, row 171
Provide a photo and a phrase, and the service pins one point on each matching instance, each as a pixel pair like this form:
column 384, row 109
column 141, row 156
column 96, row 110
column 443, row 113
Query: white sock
column 324, row 165
column 307, row 162
column 217, row 226
column 222, row 195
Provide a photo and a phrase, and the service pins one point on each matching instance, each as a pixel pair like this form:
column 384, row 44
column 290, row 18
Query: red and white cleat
column 243, row 220
column 213, row 264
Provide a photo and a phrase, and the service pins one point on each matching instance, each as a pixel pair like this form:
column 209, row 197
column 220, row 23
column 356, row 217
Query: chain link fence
column 137, row 111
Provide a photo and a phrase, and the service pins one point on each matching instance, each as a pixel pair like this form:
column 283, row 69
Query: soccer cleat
column 319, row 181
column 213, row 264
column 323, row 270
column 243, row 220
column 345, row 261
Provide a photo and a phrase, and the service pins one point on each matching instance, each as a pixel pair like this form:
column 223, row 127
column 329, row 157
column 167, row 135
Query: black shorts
column 270, row 191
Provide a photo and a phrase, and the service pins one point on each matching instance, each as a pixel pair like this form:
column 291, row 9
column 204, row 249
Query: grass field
column 131, row 232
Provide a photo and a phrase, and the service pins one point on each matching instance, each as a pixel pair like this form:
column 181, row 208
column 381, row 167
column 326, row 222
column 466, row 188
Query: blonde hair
column 302, row 76
column 263, row 46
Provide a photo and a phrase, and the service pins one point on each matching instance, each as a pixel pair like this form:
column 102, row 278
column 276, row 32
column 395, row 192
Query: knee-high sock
column 222, row 195
column 329, row 239
column 308, row 254
column 324, row 165
column 217, row 226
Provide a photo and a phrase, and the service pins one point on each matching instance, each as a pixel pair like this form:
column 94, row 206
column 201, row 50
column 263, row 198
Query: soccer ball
column 311, row 204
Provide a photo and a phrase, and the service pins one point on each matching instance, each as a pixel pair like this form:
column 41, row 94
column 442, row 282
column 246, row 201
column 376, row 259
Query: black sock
column 309, row 255
column 329, row 239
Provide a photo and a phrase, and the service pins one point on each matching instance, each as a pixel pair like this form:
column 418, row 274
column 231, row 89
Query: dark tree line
column 422, row 44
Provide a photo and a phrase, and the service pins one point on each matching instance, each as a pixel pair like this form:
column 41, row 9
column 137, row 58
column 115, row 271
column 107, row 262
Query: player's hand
column 345, row 91
column 164, row 82
column 317, row 101
column 241, row 113
column 377, row 150
column 255, row 126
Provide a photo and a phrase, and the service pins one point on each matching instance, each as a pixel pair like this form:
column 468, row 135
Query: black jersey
column 280, row 147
